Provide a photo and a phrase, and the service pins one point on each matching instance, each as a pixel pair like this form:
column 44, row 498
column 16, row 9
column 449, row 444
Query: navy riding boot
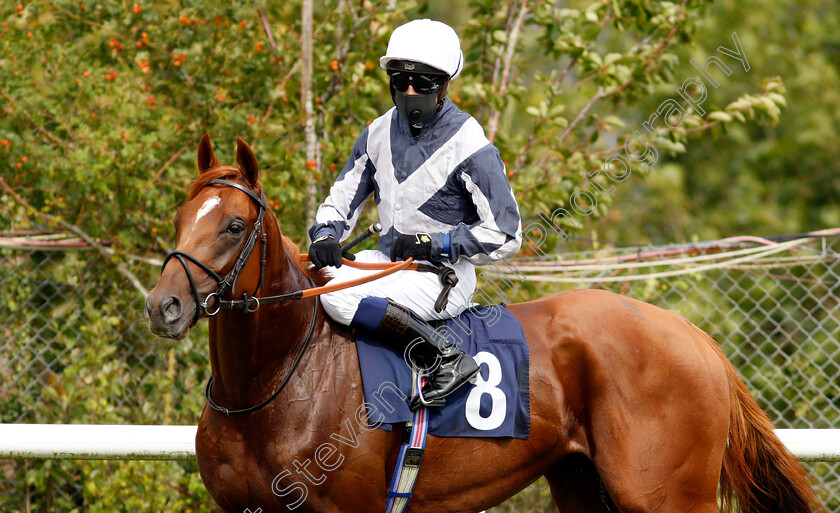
column 446, row 366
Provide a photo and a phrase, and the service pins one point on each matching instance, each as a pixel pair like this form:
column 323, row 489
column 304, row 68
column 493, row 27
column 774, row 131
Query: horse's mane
column 318, row 276
column 226, row 172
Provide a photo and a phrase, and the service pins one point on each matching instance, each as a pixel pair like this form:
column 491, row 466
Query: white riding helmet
column 430, row 42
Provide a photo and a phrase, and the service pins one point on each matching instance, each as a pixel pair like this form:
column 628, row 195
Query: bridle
column 213, row 303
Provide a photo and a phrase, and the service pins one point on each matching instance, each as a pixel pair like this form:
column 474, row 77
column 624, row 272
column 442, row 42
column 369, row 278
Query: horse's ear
column 247, row 162
column 206, row 158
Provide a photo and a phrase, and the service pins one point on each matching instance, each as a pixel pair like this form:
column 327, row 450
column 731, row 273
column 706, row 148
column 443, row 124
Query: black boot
column 449, row 366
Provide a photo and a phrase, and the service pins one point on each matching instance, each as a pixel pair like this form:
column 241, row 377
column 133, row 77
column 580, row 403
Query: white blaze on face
column 209, row 204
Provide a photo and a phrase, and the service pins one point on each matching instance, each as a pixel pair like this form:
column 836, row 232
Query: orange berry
column 18, row 165
column 19, row 7
column 4, row 142
column 137, row 9
column 243, row 23
column 29, row 34
column 86, row 73
column 334, row 65
column 154, row 230
column 24, row 159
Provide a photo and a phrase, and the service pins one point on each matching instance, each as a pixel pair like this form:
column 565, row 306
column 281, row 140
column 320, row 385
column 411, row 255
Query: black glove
column 418, row 245
column 325, row 250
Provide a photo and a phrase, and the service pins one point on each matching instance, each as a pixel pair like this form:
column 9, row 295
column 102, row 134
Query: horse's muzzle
column 168, row 316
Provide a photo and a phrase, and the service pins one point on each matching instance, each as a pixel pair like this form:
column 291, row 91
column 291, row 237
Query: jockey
column 442, row 196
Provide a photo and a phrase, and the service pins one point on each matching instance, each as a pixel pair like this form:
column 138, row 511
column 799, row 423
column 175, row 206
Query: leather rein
column 214, row 303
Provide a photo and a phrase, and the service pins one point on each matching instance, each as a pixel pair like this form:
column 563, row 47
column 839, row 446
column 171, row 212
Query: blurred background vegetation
column 102, row 104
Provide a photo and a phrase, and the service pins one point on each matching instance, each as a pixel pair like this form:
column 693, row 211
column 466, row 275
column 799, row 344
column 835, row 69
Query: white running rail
column 132, row 442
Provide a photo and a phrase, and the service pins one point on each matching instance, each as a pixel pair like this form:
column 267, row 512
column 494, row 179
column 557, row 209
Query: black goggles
column 423, row 83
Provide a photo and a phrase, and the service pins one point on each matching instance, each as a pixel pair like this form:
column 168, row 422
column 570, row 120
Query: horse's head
column 216, row 231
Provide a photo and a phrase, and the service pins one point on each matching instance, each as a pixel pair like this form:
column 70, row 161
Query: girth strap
column 410, row 457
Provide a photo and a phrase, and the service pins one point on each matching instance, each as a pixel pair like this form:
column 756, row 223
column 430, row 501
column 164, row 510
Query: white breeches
column 415, row 290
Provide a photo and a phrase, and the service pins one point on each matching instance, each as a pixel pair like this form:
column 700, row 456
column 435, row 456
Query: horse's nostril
column 171, row 308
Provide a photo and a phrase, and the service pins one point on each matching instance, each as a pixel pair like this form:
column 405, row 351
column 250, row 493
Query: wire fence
column 74, row 347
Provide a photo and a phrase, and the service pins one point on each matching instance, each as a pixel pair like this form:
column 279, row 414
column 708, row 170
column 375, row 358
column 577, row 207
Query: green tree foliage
column 102, row 104
column 761, row 178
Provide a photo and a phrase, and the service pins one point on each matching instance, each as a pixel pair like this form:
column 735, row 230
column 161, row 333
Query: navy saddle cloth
column 496, row 405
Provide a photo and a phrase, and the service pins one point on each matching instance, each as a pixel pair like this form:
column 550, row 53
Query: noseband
column 213, row 303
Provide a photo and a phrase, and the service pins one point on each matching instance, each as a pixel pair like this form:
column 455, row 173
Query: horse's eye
column 235, row 228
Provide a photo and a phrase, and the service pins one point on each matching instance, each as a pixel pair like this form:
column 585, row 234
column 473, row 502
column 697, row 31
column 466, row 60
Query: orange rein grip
column 388, row 268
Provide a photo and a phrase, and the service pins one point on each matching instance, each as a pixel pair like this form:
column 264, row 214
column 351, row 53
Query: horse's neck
column 251, row 354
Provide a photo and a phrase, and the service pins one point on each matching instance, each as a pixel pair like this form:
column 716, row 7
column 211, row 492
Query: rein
column 245, row 304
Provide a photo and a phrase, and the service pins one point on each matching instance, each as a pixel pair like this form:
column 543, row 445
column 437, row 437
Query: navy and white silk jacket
column 449, row 182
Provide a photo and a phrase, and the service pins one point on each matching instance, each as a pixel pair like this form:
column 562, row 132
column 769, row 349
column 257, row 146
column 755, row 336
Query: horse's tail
column 757, row 467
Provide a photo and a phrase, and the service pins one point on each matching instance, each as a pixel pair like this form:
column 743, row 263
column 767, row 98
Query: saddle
column 496, row 405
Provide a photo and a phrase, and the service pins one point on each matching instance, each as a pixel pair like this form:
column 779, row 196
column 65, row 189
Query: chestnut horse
column 633, row 408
